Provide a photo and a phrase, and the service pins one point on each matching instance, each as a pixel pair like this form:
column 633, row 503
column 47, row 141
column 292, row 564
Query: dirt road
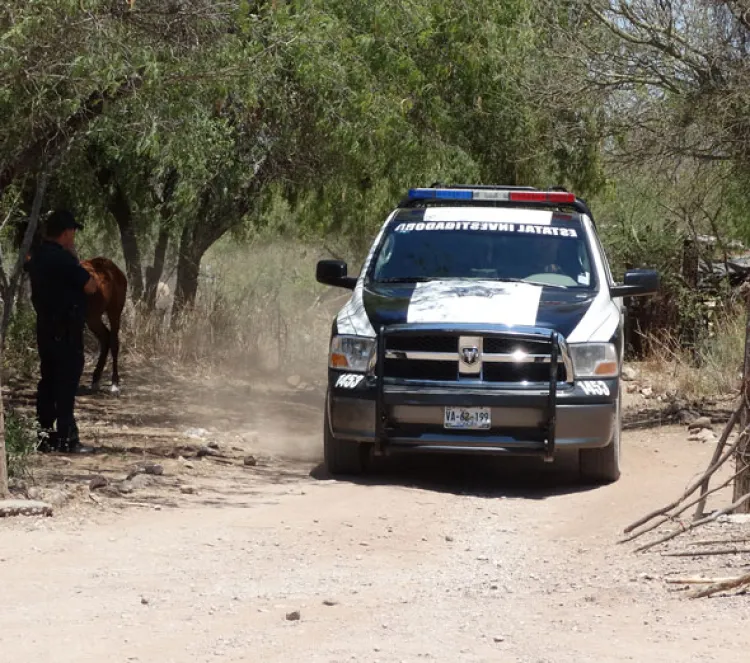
column 446, row 561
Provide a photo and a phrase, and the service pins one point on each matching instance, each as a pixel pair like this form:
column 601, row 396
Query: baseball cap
column 61, row 220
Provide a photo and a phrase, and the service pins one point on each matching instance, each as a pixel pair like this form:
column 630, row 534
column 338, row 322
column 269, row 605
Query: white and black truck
column 484, row 320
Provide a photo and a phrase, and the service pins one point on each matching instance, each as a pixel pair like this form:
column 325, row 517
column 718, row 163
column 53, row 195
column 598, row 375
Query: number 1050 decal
column 349, row 380
column 595, row 388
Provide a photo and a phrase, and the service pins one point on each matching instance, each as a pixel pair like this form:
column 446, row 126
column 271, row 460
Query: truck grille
column 423, row 343
column 507, row 359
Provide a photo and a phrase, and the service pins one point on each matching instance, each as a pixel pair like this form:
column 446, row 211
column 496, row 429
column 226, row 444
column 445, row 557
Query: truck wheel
column 342, row 456
column 603, row 465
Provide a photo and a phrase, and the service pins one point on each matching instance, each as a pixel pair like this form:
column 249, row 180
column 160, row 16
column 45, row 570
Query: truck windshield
column 554, row 253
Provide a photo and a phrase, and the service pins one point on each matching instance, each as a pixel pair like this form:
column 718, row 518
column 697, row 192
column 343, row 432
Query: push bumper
column 526, row 418
column 414, row 419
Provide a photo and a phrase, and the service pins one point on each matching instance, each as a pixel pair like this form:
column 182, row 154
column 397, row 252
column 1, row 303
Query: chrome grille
column 507, row 359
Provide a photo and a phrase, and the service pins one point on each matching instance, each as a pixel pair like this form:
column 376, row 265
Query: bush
column 20, row 357
column 20, row 442
column 714, row 366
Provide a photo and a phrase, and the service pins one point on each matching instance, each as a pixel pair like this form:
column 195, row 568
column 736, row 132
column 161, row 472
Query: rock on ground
column 703, row 435
column 629, row 373
column 699, row 423
column 9, row 508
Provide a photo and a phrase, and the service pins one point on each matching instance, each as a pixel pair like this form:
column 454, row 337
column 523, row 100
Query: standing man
column 59, row 286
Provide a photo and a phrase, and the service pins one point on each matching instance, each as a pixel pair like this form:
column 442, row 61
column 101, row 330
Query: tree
column 336, row 104
column 9, row 284
column 674, row 77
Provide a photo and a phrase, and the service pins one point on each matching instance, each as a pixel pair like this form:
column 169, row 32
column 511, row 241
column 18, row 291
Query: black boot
column 75, row 447
column 72, row 443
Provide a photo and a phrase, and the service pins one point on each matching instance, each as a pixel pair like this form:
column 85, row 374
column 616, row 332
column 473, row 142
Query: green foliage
column 348, row 103
column 20, row 355
column 20, row 441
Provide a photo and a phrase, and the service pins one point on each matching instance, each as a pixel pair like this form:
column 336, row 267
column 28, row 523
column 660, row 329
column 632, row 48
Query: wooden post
column 4, row 491
column 742, row 457
column 690, row 273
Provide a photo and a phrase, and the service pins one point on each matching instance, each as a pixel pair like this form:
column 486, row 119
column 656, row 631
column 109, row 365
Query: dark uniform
column 57, row 293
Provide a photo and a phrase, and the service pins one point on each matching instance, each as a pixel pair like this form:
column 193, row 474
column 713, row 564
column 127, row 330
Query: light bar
column 493, row 194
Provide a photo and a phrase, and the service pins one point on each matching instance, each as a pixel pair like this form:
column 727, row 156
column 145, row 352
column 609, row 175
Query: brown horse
column 110, row 299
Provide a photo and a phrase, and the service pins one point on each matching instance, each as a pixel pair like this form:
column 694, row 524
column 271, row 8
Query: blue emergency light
column 444, row 194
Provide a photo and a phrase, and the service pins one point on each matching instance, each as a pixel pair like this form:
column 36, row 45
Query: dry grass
column 714, row 368
column 258, row 309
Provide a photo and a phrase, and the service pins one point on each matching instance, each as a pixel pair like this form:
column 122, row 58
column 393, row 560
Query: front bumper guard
column 386, row 436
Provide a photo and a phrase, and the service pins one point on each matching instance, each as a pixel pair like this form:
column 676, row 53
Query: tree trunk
column 690, row 272
column 130, row 251
column 119, row 206
column 188, row 269
column 205, row 230
column 11, row 284
column 4, row 490
column 742, row 457
column 9, row 298
column 155, row 271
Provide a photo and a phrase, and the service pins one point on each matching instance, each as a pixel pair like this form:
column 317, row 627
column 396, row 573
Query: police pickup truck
column 484, row 320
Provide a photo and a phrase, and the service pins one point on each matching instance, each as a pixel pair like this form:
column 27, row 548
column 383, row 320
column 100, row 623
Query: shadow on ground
column 527, row 478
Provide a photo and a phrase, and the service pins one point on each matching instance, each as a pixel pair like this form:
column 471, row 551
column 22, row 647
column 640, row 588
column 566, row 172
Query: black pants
column 61, row 359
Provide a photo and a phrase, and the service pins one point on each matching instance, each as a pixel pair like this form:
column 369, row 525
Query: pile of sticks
column 673, row 515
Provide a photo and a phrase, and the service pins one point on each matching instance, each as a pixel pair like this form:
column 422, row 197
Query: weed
column 20, row 442
column 713, row 367
column 20, row 354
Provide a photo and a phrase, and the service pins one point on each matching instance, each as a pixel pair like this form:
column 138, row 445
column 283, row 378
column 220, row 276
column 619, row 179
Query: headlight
column 594, row 360
column 353, row 353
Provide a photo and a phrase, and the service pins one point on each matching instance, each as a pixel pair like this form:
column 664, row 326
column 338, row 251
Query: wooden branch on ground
column 673, row 516
column 706, row 553
column 716, row 542
column 698, row 482
column 722, row 586
column 708, row 519
column 717, row 454
column 697, row 581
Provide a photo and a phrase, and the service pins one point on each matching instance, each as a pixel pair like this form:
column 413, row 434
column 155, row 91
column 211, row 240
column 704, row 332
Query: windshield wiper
column 549, row 285
column 541, row 283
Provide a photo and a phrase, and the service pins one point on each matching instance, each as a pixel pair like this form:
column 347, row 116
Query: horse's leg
column 102, row 334
column 114, row 323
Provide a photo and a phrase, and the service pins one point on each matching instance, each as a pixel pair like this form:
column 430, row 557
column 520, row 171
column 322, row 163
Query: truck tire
column 602, row 465
column 342, row 457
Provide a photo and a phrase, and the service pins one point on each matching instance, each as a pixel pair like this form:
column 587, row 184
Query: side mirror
column 637, row 282
column 334, row 272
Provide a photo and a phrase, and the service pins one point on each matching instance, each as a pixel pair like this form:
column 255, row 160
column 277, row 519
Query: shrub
column 20, row 442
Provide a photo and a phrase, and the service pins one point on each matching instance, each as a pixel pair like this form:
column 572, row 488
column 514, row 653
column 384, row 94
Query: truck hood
column 478, row 302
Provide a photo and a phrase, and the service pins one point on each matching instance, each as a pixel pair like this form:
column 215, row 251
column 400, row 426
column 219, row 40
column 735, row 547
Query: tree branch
column 56, row 138
column 9, row 297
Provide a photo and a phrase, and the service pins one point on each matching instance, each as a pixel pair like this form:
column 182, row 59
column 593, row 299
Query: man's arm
column 79, row 276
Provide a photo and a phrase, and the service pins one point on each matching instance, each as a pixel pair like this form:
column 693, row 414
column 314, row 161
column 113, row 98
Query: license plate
column 467, row 418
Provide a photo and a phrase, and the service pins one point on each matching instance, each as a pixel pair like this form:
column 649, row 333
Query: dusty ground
column 444, row 560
